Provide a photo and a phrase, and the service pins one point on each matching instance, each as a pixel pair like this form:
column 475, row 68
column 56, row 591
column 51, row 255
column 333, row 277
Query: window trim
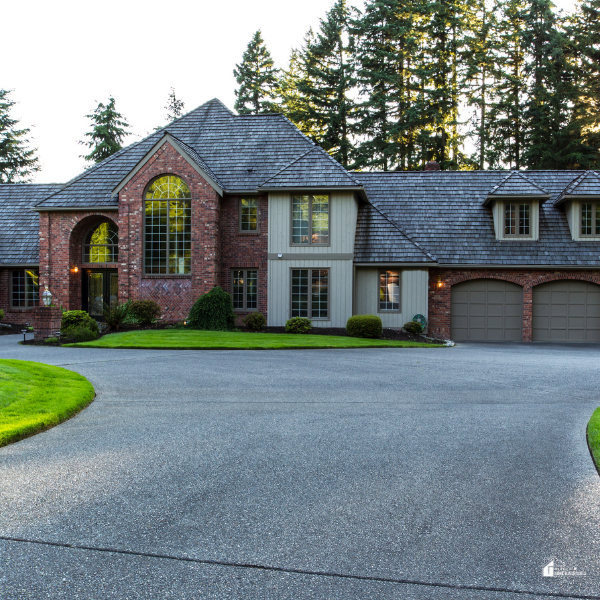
column 11, row 290
column 389, row 310
column 144, row 274
column 245, row 270
column 310, row 211
column 518, row 204
column 310, row 270
column 239, row 212
column 84, row 245
column 595, row 210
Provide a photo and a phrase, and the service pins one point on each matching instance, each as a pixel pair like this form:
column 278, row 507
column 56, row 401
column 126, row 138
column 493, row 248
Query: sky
column 67, row 56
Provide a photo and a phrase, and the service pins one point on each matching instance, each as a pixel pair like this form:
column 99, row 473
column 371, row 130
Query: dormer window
column 590, row 219
column 517, row 219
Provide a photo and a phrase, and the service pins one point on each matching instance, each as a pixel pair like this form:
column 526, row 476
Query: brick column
column 45, row 321
column 527, row 314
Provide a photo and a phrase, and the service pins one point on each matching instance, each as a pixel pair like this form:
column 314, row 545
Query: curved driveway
column 412, row 473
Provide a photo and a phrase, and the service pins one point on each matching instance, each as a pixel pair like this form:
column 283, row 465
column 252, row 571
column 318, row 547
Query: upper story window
column 590, row 219
column 389, row 290
column 25, row 288
column 248, row 214
column 310, row 220
column 517, row 219
column 102, row 244
column 168, row 227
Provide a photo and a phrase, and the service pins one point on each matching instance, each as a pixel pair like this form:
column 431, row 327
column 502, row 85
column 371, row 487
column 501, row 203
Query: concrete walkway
column 437, row 474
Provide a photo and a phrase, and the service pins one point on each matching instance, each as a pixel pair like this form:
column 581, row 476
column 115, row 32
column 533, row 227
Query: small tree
column 212, row 311
column 174, row 107
column 17, row 161
column 258, row 79
column 107, row 134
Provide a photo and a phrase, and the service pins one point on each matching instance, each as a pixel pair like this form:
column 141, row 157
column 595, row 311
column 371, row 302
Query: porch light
column 47, row 297
column 75, row 269
column 440, row 282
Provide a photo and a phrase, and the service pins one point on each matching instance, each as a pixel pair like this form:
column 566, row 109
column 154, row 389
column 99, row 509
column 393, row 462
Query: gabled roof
column 443, row 212
column 516, row 184
column 19, row 225
column 239, row 152
column 314, row 168
column 586, row 185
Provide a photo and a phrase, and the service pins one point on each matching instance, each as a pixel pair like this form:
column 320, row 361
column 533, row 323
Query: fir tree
column 258, row 79
column 107, row 134
column 17, row 161
column 174, row 107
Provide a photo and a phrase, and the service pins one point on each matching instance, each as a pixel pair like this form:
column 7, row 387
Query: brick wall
column 440, row 297
column 246, row 250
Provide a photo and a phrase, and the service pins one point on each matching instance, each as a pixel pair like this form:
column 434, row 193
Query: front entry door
column 100, row 288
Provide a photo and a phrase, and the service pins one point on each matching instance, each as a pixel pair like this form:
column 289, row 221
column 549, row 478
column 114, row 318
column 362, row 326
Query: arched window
column 101, row 245
column 167, row 227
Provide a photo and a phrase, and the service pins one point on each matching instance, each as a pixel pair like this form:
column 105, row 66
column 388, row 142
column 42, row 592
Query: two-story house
column 251, row 204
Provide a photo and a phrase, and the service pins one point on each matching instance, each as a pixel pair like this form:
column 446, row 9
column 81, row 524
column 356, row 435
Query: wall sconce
column 440, row 283
column 75, row 269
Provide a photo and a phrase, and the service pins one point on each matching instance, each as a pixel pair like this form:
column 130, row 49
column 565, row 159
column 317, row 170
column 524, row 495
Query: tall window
column 310, row 220
column 244, row 289
column 590, row 219
column 517, row 219
column 25, row 288
column 248, row 214
column 102, row 244
column 389, row 290
column 310, row 293
column 168, row 227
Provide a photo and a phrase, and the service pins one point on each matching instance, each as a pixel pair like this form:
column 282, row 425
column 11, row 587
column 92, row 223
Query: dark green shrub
column 74, row 334
column 212, row 311
column 1, row 314
column 255, row 321
column 78, row 318
column 413, row 327
column 144, row 311
column 364, row 326
column 298, row 325
column 51, row 340
column 115, row 315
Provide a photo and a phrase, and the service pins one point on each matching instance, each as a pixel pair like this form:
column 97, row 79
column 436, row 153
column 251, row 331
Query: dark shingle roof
column 443, row 212
column 587, row 184
column 239, row 151
column 516, row 184
column 19, row 226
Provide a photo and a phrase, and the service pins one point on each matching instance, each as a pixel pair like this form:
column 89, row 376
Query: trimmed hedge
column 78, row 318
column 72, row 335
column 364, row 326
column 213, row 311
column 144, row 311
column 413, row 327
column 298, row 325
column 255, row 321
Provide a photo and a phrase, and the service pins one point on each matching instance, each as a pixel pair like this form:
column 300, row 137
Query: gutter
column 99, row 208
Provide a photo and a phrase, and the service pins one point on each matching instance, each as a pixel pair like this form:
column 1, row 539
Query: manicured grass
column 593, row 437
column 35, row 397
column 185, row 339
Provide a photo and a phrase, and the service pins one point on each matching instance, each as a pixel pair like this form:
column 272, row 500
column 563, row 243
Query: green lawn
column 212, row 340
column 35, row 397
column 593, row 436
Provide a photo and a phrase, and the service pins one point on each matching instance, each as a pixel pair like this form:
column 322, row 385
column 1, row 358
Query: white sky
column 66, row 56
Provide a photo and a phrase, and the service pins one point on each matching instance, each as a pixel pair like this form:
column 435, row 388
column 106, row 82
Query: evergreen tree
column 17, row 161
column 258, row 79
column 174, row 107
column 107, row 134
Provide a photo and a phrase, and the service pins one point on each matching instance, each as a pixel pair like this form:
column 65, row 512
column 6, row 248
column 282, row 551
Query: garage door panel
column 566, row 311
column 493, row 310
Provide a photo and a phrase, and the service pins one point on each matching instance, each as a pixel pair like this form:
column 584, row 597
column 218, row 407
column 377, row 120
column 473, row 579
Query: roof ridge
column 204, row 164
column 404, row 233
column 286, row 167
column 522, row 176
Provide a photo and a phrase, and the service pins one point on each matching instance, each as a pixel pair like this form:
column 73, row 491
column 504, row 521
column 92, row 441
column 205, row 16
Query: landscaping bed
column 593, row 438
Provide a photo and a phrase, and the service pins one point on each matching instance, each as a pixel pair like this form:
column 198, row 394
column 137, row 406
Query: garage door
column 566, row 311
column 487, row 310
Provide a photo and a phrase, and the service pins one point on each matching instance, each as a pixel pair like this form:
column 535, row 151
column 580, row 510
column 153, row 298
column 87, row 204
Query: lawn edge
column 595, row 461
column 88, row 345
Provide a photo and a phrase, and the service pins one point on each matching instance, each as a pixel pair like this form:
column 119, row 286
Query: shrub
column 298, row 325
column 1, row 314
column 413, row 327
column 212, row 311
column 255, row 321
column 76, row 333
column 115, row 315
column 78, row 318
column 144, row 311
column 51, row 340
column 364, row 326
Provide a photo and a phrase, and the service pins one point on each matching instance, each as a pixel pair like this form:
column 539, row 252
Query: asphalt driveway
column 454, row 473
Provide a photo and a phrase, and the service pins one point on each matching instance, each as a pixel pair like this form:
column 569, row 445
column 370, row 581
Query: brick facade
column 440, row 296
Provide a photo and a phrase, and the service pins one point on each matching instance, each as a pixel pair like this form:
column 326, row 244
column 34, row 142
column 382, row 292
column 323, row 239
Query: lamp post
column 47, row 297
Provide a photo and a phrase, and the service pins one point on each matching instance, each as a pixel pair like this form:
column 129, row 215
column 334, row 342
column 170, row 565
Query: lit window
column 102, row 244
column 168, row 227
column 389, row 290
column 248, row 214
column 590, row 219
column 310, row 220
column 310, row 293
column 25, row 288
column 517, row 219
column 244, row 289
